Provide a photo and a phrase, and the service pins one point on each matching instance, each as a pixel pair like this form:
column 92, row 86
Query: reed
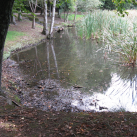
column 94, row 24
column 126, row 47
column 119, row 34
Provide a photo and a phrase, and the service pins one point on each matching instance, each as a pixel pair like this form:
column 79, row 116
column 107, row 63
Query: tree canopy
column 87, row 5
column 120, row 6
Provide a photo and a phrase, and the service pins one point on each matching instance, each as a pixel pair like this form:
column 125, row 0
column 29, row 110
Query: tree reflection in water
column 71, row 61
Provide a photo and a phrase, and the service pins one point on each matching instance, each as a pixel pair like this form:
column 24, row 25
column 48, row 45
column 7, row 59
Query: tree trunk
column 53, row 17
column 59, row 15
column 64, row 16
column 33, row 23
column 49, row 9
column 41, row 11
column 33, row 9
column 45, row 24
column 5, row 14
column 12, row 19
column 19, row 15
column 75, row 13
column 67, row 16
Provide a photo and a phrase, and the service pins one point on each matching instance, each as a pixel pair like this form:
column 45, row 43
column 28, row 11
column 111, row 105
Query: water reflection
column 73, row 62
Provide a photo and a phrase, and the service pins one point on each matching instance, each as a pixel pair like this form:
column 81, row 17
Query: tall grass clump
column 97, row 23
column 125, row 46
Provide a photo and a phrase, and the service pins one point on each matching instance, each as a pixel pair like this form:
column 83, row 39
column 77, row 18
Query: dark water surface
column 76, row 74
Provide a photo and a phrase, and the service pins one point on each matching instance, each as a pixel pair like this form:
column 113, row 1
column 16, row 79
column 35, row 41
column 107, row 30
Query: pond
column 71, row 74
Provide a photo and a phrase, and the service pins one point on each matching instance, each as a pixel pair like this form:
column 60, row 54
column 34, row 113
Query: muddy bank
column 47, row 95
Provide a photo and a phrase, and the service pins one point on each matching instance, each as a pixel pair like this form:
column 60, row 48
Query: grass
column 21, row 35
column 71, row 17
column 12, row 35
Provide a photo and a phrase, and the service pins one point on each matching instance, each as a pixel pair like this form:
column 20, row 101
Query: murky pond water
column 74, row 74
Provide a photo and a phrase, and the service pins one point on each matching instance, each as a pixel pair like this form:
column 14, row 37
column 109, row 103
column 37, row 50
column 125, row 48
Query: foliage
column 19, row 5
column 71, row 17
column 67, row 5
column 87, row 5
column 107, row 4
column 120, row 6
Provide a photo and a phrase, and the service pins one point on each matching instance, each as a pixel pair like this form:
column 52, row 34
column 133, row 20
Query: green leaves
column 120, row 6
column 19, row 5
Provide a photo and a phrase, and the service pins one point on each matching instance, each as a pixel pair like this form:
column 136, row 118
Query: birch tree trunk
column 5, row 14
column 33, row 9
column 33, row 23
column 45, row 24
column 53, row 17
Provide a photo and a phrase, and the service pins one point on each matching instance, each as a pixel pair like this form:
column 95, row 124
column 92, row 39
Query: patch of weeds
column 121, row 109
column 7, row 53
column 17, row 45
column 17, row 99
